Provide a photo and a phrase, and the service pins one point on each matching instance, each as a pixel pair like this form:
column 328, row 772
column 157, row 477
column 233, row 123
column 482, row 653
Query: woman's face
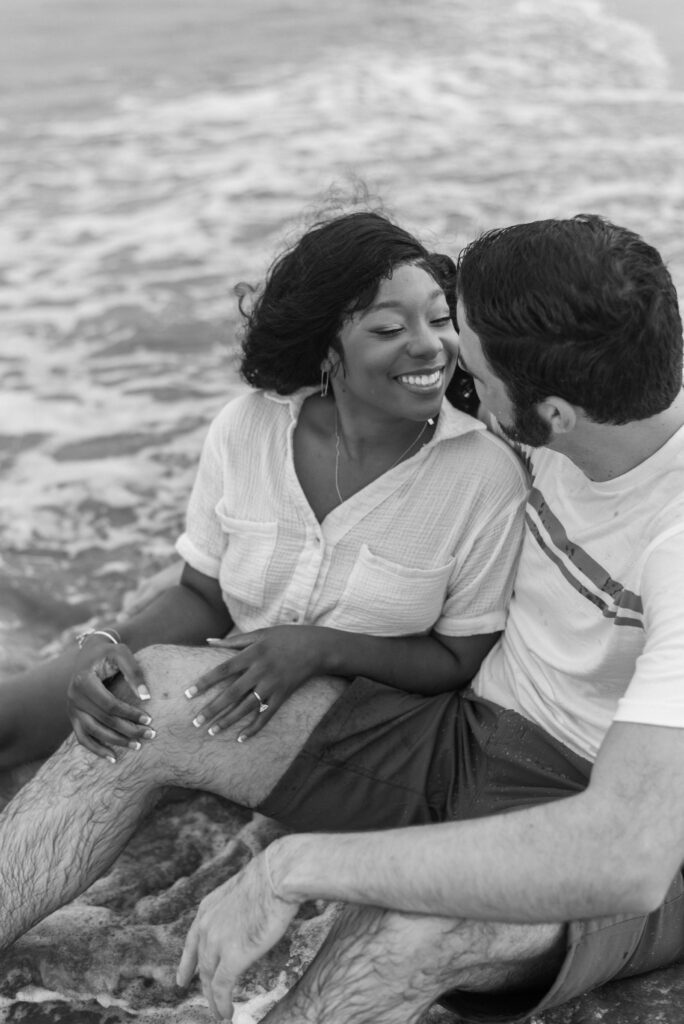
column 394, row 353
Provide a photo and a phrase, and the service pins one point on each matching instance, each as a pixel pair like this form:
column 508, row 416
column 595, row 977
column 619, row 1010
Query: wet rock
column 111, row 954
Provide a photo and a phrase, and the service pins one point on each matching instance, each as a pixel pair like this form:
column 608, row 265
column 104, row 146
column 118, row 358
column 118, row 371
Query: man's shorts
column 382, row 758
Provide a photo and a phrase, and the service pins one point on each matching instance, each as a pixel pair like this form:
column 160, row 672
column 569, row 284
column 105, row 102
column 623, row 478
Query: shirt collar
column 295, row 400
column 451, row 423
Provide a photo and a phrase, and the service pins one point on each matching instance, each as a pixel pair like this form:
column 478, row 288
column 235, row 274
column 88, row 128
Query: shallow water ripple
column 126, row 225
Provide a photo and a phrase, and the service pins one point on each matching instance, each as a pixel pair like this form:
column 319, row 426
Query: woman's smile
column 404, row 338
column 423, row 381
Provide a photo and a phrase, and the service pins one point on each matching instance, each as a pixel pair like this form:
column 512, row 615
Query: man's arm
column 612, row 849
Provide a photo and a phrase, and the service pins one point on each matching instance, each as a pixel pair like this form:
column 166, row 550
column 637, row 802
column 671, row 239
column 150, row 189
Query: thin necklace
column 396, row 462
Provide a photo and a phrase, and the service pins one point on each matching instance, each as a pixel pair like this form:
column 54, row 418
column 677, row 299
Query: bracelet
column 111, row 635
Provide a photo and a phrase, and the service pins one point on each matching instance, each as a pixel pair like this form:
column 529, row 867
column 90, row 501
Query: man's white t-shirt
column 595, row 631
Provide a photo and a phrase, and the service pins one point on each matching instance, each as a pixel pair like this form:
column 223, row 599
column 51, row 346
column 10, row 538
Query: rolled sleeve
column 482, row 584
column 203, row 542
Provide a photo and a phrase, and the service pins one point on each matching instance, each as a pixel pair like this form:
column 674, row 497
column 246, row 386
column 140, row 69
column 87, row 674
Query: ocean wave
column 125, row 228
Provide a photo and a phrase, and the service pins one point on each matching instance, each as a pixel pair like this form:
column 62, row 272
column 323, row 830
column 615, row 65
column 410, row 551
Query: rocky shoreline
column 110, row 956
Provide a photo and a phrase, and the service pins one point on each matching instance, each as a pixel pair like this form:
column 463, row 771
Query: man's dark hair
column 332, row 272
column 579, row 308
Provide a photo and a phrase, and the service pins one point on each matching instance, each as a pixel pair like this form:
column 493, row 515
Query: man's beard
column 528, row 428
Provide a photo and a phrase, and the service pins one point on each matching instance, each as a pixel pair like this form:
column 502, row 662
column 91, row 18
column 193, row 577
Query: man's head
column 579, row 310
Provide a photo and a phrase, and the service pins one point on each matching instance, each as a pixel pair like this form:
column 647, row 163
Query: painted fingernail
column 190, row 692
column 242, row 737
column 145, row 720
column 213, row 640
column 134, row 745
column 198, row 721
column 111, row 758
column 144, row 693
column 149, row 734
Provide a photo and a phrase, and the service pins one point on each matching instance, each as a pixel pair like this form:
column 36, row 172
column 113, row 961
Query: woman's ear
column 559, row 414
column 333, row 362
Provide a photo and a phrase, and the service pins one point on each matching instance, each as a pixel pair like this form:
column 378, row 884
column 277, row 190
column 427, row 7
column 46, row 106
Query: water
column 152, row 154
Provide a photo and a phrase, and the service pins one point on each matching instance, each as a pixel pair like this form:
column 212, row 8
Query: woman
column 345, row 519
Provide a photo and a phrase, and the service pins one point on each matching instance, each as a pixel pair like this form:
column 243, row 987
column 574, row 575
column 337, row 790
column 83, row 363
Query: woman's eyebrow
column 398, row 304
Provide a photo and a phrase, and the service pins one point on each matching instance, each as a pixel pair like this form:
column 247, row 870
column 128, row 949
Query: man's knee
column 168, row 671
column 188, row 756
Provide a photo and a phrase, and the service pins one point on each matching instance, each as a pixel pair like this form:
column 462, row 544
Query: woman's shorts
column 382, row 758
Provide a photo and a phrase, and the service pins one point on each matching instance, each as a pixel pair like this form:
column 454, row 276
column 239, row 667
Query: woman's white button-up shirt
column 431, row 544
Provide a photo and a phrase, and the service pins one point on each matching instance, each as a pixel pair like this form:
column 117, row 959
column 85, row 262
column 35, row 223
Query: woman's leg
column 33, row 711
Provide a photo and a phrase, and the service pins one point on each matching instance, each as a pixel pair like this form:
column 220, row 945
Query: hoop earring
column 325, row 382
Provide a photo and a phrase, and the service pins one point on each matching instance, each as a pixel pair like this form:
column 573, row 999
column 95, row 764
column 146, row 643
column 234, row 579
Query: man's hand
column 271, row 662
column 235, row 925
column 100, row 721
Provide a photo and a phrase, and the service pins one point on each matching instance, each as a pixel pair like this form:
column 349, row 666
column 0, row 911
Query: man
column 572, row 333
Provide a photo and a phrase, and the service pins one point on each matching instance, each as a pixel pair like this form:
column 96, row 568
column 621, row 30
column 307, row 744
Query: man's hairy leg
column 382, row 967
column 69, row 823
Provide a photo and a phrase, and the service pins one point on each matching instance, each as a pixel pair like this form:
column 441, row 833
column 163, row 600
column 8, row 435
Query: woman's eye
column 387, row 330
column 441, row 321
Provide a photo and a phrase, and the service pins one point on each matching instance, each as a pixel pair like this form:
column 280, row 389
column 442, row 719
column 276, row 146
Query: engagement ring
column 263, row 706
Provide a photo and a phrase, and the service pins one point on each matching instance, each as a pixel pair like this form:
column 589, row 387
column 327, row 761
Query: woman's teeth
column 421, row 380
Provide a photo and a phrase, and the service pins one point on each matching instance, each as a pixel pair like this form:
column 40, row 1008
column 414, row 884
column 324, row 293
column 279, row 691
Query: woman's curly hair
column 332, row 272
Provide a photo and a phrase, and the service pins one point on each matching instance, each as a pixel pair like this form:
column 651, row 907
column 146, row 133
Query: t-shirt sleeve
column 482, row 581
column 202, row 543
column 655, row 695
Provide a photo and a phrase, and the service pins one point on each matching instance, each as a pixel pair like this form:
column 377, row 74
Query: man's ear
column 560, row 415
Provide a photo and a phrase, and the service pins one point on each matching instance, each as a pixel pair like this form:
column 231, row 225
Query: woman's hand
column 269, row 666
column 100, row 721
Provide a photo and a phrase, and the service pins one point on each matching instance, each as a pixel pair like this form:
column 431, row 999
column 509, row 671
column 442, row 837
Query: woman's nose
column 425, row 342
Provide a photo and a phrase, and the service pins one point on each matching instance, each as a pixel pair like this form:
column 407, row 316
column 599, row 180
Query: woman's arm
column 183, row 614
column 417, row 664
column 149, row 589
column 272, row 663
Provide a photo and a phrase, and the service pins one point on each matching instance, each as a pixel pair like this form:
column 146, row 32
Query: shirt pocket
column 248, row 555
column 385, row 598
